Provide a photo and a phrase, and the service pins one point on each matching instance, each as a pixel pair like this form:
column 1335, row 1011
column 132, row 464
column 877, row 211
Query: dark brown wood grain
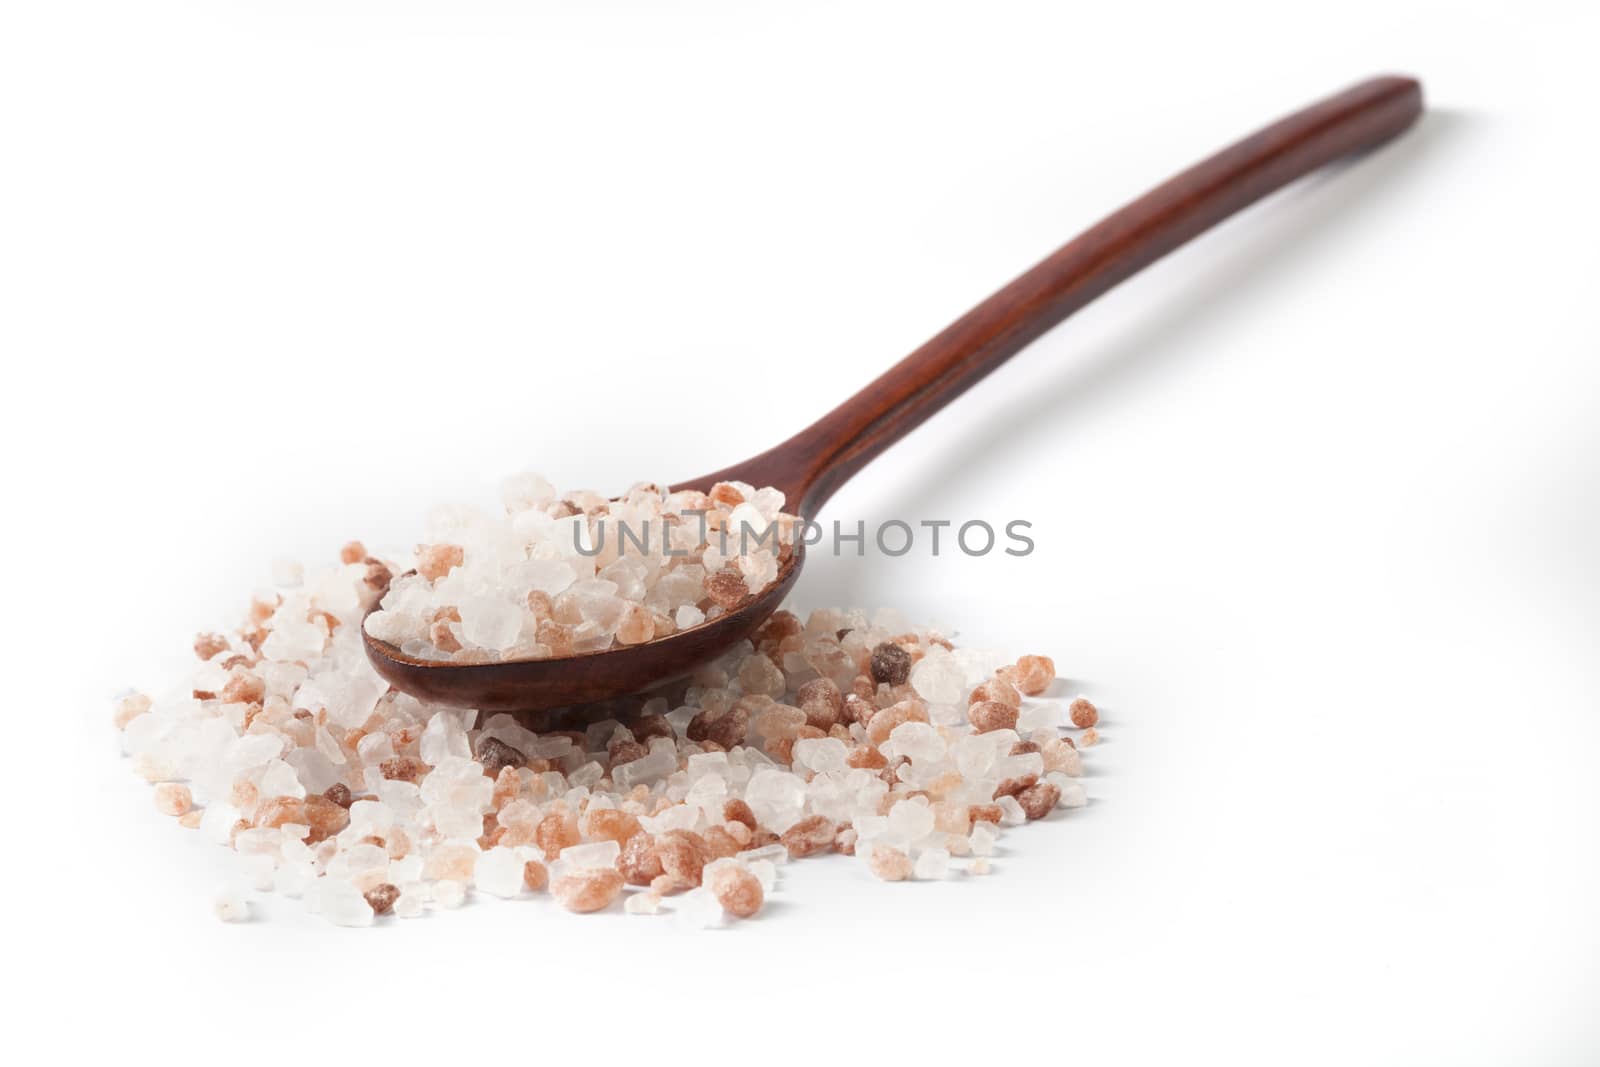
column 813, row 464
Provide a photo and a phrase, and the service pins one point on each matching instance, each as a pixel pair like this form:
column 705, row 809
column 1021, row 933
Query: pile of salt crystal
column 557, row 575
column 843, row 733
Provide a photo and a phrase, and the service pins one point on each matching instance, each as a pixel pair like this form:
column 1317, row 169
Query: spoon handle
column 814, row 463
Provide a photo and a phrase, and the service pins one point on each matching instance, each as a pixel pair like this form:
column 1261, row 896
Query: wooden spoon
column 813, row 464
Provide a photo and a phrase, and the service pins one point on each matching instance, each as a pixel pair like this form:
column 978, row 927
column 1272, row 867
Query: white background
column 1315, row 499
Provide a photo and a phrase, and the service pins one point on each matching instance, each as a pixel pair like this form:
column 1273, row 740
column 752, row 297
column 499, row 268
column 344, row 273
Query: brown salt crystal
column 736, row 810
column 536, row 876
column 866, row 757
column 883, row 723
column 496, row 755
column 1010, row 787
column 985, row 813
column 721, row 844
column 402, row 768
column 859, row 709
column 1023, row 748
column 208, row 645
column 1033, row 674
column 989, row 715
column 822, row 702
column 727, row 588
column 378, row 577
column 339, row 793
column 281, row 811
column 1084, row 714
column 737, row 890
column 436, row 561
column 996, row 689
column 649, row 726
column 889, row 864
column 639, row 863
column 625, row 751
column 325, row 818
column 1038, row 800
column 683, row 853
column 891, row 664
column 556, row 831
column 762, row 837
column 202, row 694
column 173, row 799
column 813, row 834
column 587, row 890
column 380, row 898
column 609, row 824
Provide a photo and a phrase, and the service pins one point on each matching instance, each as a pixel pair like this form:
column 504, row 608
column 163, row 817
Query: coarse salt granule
column 842, row 732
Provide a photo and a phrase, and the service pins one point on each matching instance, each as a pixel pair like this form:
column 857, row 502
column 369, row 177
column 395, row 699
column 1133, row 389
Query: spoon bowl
column 810, row 466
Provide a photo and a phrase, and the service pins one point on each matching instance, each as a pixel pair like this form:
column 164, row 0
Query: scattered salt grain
column 232, row 907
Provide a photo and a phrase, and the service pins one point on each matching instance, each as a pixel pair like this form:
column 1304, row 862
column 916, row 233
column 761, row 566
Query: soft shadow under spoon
column 810, row 466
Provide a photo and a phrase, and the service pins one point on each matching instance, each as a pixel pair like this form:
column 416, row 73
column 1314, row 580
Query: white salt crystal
column 777, row 798
column 499, row 872
column 449, row 893
column 688, row 615
column 490, row 622
column 911, row 820
column 766, row 873
column 766, row 853
column 918, row 741
column 592, row 855
column 280, row 780
column 520, row 492
column 932, row 864
column 1073, row 795
column 1041, row 715
column 938, row 678
column 232, row 907
column 341, row 903
column 217, row 822
column 409, row 904
column 1011, row 813
column 658, row 764
column 641, row 904
column 698, row 909
column 824, row 754
column 983, row 838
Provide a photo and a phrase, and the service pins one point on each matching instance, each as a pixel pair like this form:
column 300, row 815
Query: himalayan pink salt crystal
column 403, row 769
column 190, row 820
column 736, row 810
column 1083, row 713
column 380, row 898
column 889, row 864
column 759, row 676
column 324, row 817
column 636, row 626
column 1089, row 737
column 891, row 664
column 587, row 890
column 208, row 645
column 557, row 831
column 1033, row 674
column 642, row 904
column 496, row 755
column 436, row 561
column 339, row 793
column 639, row 863
column 453, row 861
column 683, row 854
column 1039, row 799
column 609, row 824
column 989, row 715
column 535, row 876
column 440, row 633
column 883, row 723
column 822, row 702
column 727, row 588
column 352, row 552
column 173, row 799
column 813, row 834
column 737, row 890
column 980, row 866
column 997, row 689
column 281, row 811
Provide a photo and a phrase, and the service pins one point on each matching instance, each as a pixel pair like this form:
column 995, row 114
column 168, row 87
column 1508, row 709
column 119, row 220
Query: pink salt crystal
column 1039, row 800
column 812, row 834
column 436, row 561
column 990, row 715
column 353, row 552
column 997, row 689
column 173, row 799
column 1033, row 674
column 536, row 876
column 380, row 898
column 587, row 890
column 636, row 626
column 1089, row 737
column 1084, row 714
column 190, row 820
column 727, row 588
column 889, row 864
column 737, row 890
column 208, row 645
